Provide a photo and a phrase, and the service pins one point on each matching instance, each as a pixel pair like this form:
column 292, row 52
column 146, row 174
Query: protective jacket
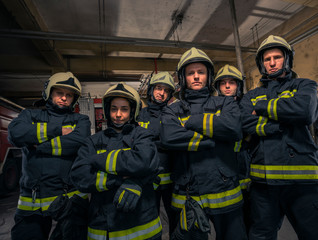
column 202, row 130
column 149, row 118
column 283, row 150
column 47, row 154
column 103, row 162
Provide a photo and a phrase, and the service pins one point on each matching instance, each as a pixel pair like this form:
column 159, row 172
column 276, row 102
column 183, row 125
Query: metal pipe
column 15, row 33
column 237, row 39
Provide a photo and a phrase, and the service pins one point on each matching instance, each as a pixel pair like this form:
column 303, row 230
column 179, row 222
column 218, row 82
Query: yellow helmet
column 192, row 56
column 275, row 42
column 161, row 78
column 63, row 80
column 229, row 71
column 122, row 90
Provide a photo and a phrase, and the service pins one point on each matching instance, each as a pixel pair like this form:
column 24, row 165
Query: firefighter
column 118, row 167
column 159, row 92
column 229, row 81
column 49, row 139
column 284, row 167
column 202, row 130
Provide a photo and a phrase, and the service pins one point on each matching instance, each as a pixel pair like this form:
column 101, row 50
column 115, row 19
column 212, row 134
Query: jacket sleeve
column 253, row 124
column 176, row 137
column 139, row 160
column 224, row 125
column 86, row 177
column 67, row 145
column 296, row 106
column 23, row 132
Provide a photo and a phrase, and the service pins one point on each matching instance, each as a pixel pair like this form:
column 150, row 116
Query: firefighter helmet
column 275, row 42
column 63, row 80
column 192, row 56
column 229, row 71
column 161, row 78
column 122, row 90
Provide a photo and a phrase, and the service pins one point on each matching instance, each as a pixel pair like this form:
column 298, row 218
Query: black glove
column 127, row 196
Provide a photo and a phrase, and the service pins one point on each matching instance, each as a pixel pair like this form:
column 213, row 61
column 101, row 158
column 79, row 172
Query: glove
column 127, row 196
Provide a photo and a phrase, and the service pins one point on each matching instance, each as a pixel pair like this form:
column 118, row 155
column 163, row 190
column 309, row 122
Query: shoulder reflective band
column 145, row 231
column 101, row 180
column 111, row 160
column 194, row 142
column 56, row 146
column 261, row 125
column 144, row 124
column 259, row 98
column 213, row 200
column 284, row 172
column 41, row 132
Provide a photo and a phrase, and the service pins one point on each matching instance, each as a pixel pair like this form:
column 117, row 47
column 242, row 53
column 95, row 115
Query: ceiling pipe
column 237, row 39
column 16, row 33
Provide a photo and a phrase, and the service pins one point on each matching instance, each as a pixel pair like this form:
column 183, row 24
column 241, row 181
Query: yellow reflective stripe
column 272, row 109
column 183, row 219
column 144, row 124
column 95, row 234
column 208, row 124
column 27, row 204
column 134, row 191
column 218, row 113
column 184, row 120
column 56, row 146
column 260, row 126
column 237, row 146
column 244, row 183
column 259, row 98
column 165, row 178
column 284, row 172
column 121, row 196
column 213, row 200
column 287, row 94
column 69, row 126
column 141, row 232
column 101, row 151
column 194, row 142
column 101, row 180
column 41, row 132
column 111, row 160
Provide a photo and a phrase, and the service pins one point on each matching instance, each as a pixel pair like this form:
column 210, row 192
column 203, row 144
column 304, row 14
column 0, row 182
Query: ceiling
column 106, row 41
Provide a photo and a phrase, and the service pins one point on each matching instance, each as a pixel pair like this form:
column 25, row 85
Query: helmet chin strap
column 276, row 74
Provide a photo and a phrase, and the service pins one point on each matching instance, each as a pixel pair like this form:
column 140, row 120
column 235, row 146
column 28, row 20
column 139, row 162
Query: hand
column 254, row 113
column 127, row 196
column 66, row 131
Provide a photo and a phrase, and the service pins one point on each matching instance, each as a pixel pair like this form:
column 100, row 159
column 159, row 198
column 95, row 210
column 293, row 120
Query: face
column 119, row 110
column 273, row 60
column 161, row 92
column 228, row 86
column 196, row 76
column 62, row 97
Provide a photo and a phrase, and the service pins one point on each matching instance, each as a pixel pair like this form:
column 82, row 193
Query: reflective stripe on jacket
column 203, row 135
column 47, row 154
column 103, row 162
column 284, row 151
